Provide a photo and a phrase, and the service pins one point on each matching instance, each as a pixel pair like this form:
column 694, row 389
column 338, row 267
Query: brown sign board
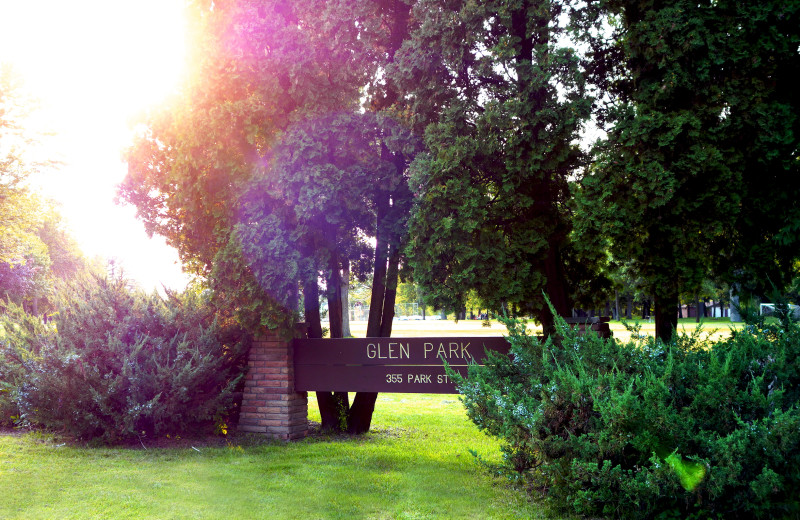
column 409, row 365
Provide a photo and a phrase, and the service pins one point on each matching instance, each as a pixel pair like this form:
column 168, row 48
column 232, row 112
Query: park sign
column 409, row 365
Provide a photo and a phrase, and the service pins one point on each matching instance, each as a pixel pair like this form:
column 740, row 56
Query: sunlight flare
column 94, row 66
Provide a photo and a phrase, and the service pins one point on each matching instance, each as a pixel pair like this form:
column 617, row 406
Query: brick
column 274, row 370
column 252, row 429
column 276, row 384
column 274, row 390
column 278, row 377
column 283, row 358
column 270, row 405
column 274, row 410
column 299, row 428
column 269, row 423
column 298, row 416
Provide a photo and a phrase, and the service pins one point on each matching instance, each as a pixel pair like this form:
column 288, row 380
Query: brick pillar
column 270, row 405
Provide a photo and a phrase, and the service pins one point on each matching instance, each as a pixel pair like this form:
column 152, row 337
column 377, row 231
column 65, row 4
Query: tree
column 217, row 173
column 309, row 213
column 35, row 250
column 701, row 145
column 16, row 210
column 501, row 102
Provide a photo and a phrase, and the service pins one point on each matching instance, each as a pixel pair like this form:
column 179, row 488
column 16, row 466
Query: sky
column 94, row 66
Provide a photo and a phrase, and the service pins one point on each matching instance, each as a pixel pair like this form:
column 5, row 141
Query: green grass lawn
column 414, row 465
column 715, row 328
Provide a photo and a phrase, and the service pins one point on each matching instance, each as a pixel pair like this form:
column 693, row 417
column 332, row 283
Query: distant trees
column 35, row 249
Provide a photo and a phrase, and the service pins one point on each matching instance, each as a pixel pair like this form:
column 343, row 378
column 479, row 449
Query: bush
column 647, row 430
column 120, row 364
column 21, row 339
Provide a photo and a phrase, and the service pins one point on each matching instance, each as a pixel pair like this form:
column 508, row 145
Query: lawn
column 415, row 464
column 715, row 328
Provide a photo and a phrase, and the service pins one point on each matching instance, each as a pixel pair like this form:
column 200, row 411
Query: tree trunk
column 666, row 301
column 629, row 305
column 360, row 418
column 697, row 308
column 340, row 400
column 555, row 288
column 328, row 406
column 384, row 284
column 379, row 272
column 616, row 305
column 311, row 309
column 360, row 415
column 390, row 292
column 346, row 299
column 364, row 402
column 333, row 406
column 335, row 311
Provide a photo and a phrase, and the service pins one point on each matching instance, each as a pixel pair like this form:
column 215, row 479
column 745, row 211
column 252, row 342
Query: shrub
column 21, row 335
column 124, row 364
column 648, row 430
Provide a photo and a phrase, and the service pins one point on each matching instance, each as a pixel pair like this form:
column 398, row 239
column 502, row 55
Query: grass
column 415, row 464
column 715, row 328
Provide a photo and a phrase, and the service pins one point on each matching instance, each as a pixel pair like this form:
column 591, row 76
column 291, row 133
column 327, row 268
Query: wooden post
column 270, row 404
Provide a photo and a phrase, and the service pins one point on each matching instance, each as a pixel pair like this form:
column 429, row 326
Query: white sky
column 94, row 65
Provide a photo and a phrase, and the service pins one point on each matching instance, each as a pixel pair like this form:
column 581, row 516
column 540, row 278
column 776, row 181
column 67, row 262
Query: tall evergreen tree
column 698, row 173
column 501, row 102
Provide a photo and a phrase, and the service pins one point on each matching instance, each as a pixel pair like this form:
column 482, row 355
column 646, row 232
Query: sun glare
column 94, row 65
column 116, row 57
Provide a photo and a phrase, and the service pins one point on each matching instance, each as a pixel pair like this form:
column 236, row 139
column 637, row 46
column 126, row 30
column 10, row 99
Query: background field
column 716, row 328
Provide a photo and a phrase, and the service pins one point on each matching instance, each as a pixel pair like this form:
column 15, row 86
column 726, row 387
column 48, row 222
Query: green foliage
column 22, row 336
column 120, row 364
column 501, row 103
column 697, row 175
column 35, row 250
column 646, row 429
column 315, row 202
column 260, row 69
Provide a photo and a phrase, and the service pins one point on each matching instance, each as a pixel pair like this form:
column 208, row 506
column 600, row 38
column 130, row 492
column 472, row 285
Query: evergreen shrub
column 120, row 364
column 20, row 339
column 689, row 429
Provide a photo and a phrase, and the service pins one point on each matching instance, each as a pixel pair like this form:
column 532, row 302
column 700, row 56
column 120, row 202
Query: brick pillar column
column 270, row 405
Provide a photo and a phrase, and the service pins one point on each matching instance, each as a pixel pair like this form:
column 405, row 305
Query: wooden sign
column 412, row 365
